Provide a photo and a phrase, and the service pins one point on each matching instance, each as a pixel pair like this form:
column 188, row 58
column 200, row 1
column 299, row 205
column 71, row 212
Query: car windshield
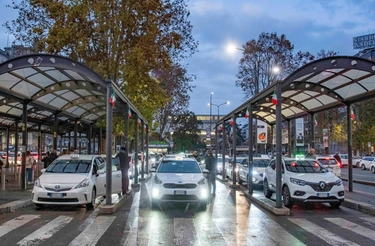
column 69, row 166
column 175, row 166
column 304, row 166
column 261, row 163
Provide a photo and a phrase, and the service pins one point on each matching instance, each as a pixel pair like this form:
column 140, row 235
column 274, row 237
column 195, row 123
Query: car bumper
column 71, row 197
column 308, row 194
column 162, row 194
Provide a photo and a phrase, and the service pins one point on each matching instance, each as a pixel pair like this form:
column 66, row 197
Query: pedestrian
column 195, row 156
column 124, row 167
column 338, row 158
column 311, row 154
column 53, row 156
column 212, row 168
column 29, row 168
column 46, row 160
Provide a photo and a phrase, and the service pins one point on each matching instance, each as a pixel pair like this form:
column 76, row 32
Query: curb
column 9, row 207
column 359, row 206
column 110, row 209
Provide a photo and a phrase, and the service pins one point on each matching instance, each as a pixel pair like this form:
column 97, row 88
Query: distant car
column 304, row 180
column 344, row 160
column 12, row 160
column 179, row 180
column 259, row 166
column 73, row 180
column 220, row 163
column 366, row 162
column 229, row 166
column 331, row 164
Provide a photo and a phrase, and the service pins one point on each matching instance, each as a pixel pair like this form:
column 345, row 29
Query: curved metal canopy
column 54, row 85
column 318, row 86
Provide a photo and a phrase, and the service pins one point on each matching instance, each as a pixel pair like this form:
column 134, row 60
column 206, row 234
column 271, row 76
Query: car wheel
column 335, row 204
column 93, row 197
column 203, row 204
column 239, row 180
column 39, row 206
column 357, row 165
column 373, row 169
column 287, row 200
column 154, row 203
column 363, row 167
column 266, row 191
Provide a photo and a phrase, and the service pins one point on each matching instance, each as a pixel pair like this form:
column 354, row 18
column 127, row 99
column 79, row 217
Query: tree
column 121, row 40
column 261, row 56
column 186, row 131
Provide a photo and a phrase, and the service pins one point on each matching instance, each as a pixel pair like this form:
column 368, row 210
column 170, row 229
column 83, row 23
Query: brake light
column 338, row 164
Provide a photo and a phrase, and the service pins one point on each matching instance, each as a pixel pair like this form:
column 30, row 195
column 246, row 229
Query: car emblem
column 322, row 185
column 57, row 187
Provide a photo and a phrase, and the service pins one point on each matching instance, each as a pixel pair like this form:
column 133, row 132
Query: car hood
column 180, row 178
column 62, row 178
column 316, row 177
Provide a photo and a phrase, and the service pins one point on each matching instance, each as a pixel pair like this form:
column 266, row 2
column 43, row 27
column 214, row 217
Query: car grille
column 179, row 186
column 41, row 199
column 179, row 198
column 317, row 187
column 52, row 189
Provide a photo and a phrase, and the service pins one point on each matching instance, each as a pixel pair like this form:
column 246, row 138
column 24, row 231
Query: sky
column 310, row 26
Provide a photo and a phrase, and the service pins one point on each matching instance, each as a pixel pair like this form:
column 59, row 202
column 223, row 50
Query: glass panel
column 4, row 108
column 46, row 98
column 79, row 111
column 351, row 90
column 57, row 75
column 26, row 89
column 336, row 81
column 368, row 83
column 41, row 80
column 75, row 75
column 58, row 102
column 70, row 96
column 83, row 92
column 326, row 99
column 8, row 80
column 313, row 103
column 25, row 72
column 15, row 111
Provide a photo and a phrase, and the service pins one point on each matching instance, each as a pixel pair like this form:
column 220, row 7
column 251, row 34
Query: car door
column 116, row 180
column 242, row 170
column 100, row 166
column 271, row 174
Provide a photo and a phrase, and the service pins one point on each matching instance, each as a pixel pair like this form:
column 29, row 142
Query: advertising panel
column 284, row 134
column 325, row 138
column 300, row 136
column 261, row 132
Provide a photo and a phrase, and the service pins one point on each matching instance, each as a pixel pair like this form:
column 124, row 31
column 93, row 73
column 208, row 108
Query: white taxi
column 331, row 164
column 259, row 166
column 304, row 180
column 73, row 180
column 179, row 179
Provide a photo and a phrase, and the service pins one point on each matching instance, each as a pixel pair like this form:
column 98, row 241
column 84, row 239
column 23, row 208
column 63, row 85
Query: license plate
column 322, row 194
column 180, row 192
column 56, row 195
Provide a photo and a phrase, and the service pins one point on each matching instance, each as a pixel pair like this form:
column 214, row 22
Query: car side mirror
column 101, row 171
column 153, row 170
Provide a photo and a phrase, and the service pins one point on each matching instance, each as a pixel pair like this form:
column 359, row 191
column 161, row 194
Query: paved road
column 230, row 219
column 359, row 174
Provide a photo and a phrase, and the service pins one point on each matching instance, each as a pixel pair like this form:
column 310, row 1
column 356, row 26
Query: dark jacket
column 124, row 159
column 53, row 156
column 210, row 163
column 338, row 158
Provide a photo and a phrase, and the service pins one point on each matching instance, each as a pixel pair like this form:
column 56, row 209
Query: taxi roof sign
column 300, row 157
column 74, row 156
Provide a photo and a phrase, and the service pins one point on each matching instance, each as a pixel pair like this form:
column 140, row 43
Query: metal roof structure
column 53, row 85
column 318, row 86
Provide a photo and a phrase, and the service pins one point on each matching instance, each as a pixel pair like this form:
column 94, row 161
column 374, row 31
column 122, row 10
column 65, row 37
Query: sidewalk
column 14, row 197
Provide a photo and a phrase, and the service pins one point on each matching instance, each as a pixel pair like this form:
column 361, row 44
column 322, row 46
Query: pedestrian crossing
column 211, row 227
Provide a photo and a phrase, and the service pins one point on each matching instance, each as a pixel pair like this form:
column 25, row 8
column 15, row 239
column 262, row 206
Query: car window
column 69, row 166
column 261, row 163
column 272, row 164
column 328, row 161
column 174, row 166
column 304, row 166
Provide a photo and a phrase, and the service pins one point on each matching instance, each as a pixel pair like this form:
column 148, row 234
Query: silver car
column 259, row 166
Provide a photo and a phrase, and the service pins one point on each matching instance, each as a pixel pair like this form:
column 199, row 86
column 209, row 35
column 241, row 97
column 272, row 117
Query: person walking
column 124, row 167
column 211, row 167
column 46, row 160
column 29, row 168
column 53, row 156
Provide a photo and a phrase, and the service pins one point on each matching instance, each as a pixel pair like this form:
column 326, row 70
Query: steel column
column 350, row 154
column 278, row 145
column 109, row 118
column 250, row 164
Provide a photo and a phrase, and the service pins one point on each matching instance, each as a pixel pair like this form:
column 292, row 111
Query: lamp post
column 218, row 115
column 210, row 116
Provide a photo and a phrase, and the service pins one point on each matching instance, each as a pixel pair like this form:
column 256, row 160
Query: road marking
column 320, row 232
column 131, row 228
column 369, row 219
column 361, row 230
column 92, row 233
column 46, row 231
column 15, row 223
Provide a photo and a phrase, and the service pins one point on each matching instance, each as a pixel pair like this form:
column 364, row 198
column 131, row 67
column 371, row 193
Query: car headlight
column 37, row 183
column 338, row 182
column 84, row 183
column 202, row 181
column 157, row 180
column 298, row 181
column 255, row 173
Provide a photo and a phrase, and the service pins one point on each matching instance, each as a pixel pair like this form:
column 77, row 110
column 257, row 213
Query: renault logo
column 57, row 187
column 322, row 185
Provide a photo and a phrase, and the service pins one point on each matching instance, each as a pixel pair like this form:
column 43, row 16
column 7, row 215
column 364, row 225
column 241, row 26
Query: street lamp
column 218, row 116
column 210, row 116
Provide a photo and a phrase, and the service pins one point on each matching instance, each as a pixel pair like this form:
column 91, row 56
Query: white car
column 305, row 181
column 229, row 166
column 220, row 163
column 259, row 166
column 366, row 162
column 73, row 180
column 179, row 180
column 331, row 164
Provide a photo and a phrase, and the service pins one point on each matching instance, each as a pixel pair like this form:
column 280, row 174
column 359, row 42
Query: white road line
column 369, row 219
column 131, row 228
column 92, row 233
column 15, row 223
column 361, row 230
column 322, row 233
column 46, row 231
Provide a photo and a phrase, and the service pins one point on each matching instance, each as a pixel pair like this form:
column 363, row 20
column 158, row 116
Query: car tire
column 154, row 204
column 239, row 180
column 39, row 206
column 203, row 205
column 373, row 169
column 335, row 204
column 287, row 200
column 93, row 197
column 266, row 190
column 363, row 167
